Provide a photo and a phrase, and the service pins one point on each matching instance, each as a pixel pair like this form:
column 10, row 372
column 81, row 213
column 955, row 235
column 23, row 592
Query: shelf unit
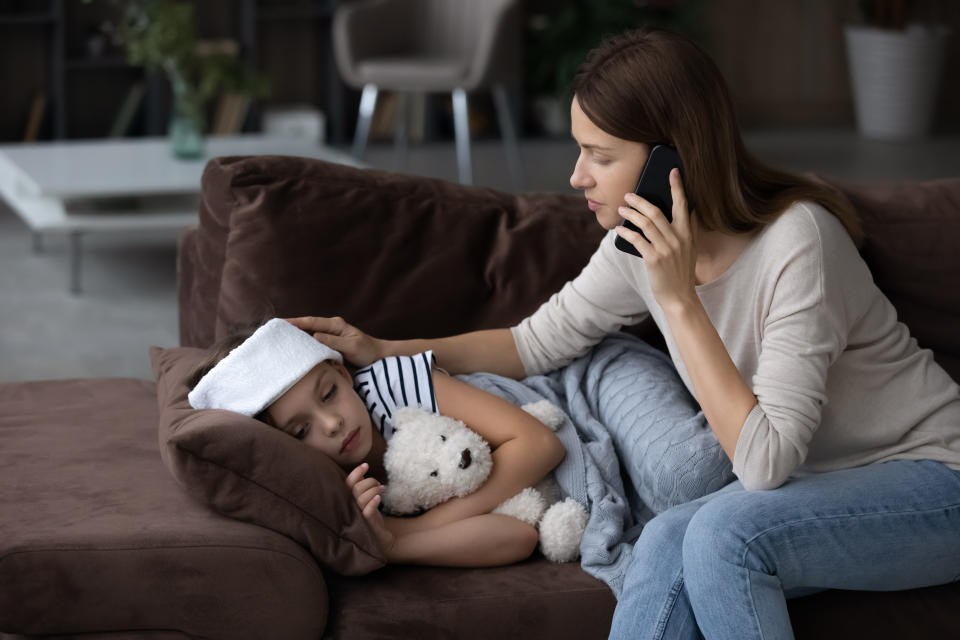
column 43, row 48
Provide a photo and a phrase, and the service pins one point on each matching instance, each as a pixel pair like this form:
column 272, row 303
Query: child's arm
column 480, row 541
column 486, row 540
column 524, row 451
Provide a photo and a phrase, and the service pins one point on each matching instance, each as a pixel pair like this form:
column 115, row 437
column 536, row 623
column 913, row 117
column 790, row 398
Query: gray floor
column 129, row 282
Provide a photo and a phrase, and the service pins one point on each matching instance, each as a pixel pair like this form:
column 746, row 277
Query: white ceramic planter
column 895, row 77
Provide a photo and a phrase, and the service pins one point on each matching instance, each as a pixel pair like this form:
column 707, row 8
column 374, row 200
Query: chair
column 431, row 46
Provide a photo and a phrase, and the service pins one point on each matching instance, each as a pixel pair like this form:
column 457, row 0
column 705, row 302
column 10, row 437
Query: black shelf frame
column 67, row 66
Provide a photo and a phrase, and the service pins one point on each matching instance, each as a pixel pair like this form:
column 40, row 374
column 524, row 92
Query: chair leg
column 400, row 132
column 461, row 126
column 514, row 163
column 368, row 101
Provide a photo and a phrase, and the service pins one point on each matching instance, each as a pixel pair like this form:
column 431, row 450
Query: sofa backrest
column 399, row 256
column 404, row 256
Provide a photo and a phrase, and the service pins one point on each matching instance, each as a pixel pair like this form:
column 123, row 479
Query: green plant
column 886, row 14
column 560, row 33
column 899, row 14
column 161, row 35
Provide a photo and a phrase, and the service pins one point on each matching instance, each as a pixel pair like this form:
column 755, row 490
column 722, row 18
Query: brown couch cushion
column 532, row 599
column 306, row 237
column 247, row 470
column 913, row 249
column 96, row 537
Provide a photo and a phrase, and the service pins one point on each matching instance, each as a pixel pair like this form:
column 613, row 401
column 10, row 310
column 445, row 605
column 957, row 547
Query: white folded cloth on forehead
column 261, row 369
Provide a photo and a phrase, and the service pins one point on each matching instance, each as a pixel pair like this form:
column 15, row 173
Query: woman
column 845, row 436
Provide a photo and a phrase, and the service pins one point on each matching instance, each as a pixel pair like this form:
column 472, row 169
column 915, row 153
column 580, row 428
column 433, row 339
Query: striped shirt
column 395, row 382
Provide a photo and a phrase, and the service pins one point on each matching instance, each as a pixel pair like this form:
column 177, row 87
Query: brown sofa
column 110, row 488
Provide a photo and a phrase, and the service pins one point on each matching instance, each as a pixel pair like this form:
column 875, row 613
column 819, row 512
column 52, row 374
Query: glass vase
column 186, row 123
column 186, row 136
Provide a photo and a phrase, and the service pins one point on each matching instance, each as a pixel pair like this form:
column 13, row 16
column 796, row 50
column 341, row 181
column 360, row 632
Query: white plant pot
column 895, row 77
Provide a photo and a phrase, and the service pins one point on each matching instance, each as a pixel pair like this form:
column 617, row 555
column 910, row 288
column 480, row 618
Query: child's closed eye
column 330, row 394
column 300, row 432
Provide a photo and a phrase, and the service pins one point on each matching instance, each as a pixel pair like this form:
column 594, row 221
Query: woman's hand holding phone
column 668, row 248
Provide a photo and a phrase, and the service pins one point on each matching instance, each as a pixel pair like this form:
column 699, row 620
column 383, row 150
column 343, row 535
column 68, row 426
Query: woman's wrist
column 681, row 306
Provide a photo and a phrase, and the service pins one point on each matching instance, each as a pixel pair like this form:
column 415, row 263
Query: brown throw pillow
column 247, row 470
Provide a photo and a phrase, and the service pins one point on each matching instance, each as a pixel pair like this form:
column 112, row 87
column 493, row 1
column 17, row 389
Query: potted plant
column 161, row 35
column 560, row 33
column 895, row 70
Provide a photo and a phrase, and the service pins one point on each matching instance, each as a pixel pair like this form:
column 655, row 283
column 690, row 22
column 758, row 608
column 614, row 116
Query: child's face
column 324, row 411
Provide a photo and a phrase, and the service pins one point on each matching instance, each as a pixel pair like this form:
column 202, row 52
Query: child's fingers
column 356, row 475
column 364, row 498
column 370, row 511
column 364, row 485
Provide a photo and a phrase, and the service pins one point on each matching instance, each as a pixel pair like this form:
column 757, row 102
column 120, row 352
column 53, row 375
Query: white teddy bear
column 432, row 458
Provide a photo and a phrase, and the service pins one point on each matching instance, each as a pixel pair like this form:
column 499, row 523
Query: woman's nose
column 579, row 179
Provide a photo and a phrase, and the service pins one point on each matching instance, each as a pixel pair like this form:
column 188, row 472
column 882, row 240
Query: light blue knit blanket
column 637, row 443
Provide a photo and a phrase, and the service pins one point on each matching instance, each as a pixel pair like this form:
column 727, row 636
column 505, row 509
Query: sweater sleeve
column 803, row 333
column 599, row 300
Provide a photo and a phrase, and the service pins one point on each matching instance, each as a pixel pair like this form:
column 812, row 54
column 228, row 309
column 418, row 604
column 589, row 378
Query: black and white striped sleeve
column 395, row 382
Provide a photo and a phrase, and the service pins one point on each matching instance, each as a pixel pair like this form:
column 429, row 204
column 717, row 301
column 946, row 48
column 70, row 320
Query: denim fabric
column 723, row 566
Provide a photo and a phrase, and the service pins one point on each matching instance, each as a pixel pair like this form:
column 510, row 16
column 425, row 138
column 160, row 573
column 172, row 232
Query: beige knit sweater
column 839, row 381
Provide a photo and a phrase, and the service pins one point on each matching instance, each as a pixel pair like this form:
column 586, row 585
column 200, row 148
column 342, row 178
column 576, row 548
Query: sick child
column 283, row 377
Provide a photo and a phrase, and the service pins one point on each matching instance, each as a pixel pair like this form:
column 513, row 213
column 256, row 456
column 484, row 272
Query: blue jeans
column 723, row 566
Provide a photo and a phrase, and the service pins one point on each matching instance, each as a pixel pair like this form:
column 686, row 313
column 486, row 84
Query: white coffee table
column 78, row 187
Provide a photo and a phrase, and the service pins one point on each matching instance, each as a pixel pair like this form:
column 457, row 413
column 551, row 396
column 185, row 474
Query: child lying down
column 283, row 377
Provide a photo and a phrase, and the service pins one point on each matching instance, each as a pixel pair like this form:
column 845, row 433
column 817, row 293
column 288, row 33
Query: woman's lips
column 349, row 440
column 592, row 204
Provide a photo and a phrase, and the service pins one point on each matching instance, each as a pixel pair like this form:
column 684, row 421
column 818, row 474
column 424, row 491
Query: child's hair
column 218, row 352
column 657, row 87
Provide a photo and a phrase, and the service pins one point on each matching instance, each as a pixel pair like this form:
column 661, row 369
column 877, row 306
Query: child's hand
column 367, row 492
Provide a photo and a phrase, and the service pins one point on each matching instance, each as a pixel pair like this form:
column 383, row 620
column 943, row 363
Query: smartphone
column 654, row 186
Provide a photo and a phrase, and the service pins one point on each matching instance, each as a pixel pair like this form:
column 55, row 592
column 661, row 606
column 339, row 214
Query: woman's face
column 608, row 167
column 323, row 410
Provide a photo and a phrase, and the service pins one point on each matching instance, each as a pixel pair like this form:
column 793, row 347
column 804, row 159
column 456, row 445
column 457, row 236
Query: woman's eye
column 329, row 395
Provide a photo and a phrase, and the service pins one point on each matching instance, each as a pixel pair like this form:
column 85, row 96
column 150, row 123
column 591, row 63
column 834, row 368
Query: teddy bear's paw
column 546, row 412
column 561, row 530
column 528, row 505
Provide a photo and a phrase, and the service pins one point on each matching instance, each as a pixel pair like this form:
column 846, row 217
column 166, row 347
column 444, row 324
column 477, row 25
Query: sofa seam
column 313, row 567
column 435, row 601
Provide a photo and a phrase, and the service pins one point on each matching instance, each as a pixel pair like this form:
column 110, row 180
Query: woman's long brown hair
column 655, row 86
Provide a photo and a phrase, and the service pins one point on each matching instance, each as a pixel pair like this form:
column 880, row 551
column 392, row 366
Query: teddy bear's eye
column 433, row 474
column 443, row 438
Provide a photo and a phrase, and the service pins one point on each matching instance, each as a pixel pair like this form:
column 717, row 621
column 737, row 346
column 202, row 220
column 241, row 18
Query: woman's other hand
column 668, row 249
column 356, row 346
column 367, row 492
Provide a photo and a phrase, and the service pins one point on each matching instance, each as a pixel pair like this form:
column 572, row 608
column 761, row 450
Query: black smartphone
column 654, row 186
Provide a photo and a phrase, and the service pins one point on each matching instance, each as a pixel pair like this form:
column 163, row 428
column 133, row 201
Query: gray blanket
column 637, row 443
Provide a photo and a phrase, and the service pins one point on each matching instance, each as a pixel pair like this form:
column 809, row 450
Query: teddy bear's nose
column 465, row 459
